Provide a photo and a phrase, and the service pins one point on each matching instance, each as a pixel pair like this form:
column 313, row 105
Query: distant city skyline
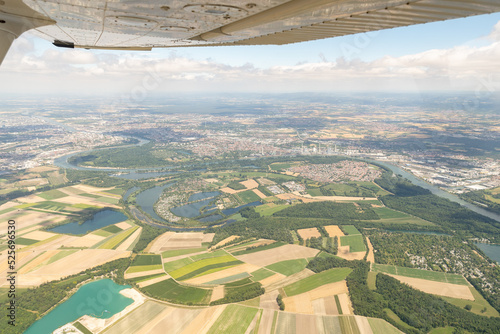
column 462, row 54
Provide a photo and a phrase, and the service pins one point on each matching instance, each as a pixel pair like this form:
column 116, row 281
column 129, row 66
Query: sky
column 454, row 55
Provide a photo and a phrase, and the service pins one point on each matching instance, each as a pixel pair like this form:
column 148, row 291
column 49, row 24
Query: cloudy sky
column 461, row 54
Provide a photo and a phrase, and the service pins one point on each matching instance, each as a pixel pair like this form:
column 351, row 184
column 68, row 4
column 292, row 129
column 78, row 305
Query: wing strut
column 15, row 19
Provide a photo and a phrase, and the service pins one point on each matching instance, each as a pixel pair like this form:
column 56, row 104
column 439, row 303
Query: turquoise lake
column 100, row 220
column 100, row 299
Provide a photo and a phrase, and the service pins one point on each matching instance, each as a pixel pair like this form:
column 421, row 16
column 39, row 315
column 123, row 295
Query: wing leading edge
column 145, row 24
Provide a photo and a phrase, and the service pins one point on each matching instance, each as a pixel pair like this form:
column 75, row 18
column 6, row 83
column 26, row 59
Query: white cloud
column 460, row 67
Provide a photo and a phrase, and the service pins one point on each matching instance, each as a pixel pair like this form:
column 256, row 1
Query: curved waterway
column 437, row 191
column 63, row 163
column 99, row 299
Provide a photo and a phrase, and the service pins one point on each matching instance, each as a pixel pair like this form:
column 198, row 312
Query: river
column 437, row 191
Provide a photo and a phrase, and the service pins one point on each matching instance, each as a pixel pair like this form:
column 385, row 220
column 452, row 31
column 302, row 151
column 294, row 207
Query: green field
column 112, row 229
column 289, row 267
column 314, row 192
column 280, row 166
column 102, row 233
column 248, row 196
column 259, row 248
column 355, row 242
column 209, row 255
column 419, row 273
column 52, row 194
column 394, row 317
column 317, row 280
column 389, row 216
column 172, row 291
column 229, row 279
column 260, row 274
column 146, row 278
column 349, row 229
column 380, row 326
column 234, row 319
column 61, row 255
column 108, row 200
column 244, row 244
column 52, row 206
column 286, row 323
column 371, row 280
column 204, row 266
column 269, row 209
column 174, row 265
column 348, row 325
column 138, row 269
column 118, row 239
column 179, row 252
column 146, row 260
column 25, row 241
column 479, row 304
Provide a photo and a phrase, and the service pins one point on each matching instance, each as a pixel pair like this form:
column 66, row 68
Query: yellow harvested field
column 153, row 281
column 184, row 240
column 334, row 231
column 39, row 235
column 306, row 324
column 268, row 300
column 130, row 240
column 159, row 242
column 343, row 252
column 325, row 306
column 87, row 240
column 283, row 253
column 330, row 289
column 228, row 190
column 217, row 293
column 242, row 268
column 299, row 304
column 308, row 233
column 371, row 254
column 345, row 303
column 206, row 316
column 259, row 193
column 250, row 184
column 8, row 205
column 265, row 182
column 363, row 325
column 90, row 189
column 40, row 169
column 37, row 261
column 266, row 322
column 21, row 259
column 272, row 279
column 28, row 218
column 260, row 242
column 437, row 288
column 211, row 180
column 71, row 264
column 226, row 241
column 123, row 225
column 144, row 273
column 153, row 322
column 175, row 321
column 30, row 199
column 287, row 280
column 75, row 199
column 305, row 302
column 52, row 243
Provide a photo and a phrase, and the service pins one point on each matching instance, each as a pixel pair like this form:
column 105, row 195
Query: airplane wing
column 146, row 24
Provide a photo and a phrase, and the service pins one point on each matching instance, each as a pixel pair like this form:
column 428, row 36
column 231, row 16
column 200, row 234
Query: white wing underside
column 144, row 24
